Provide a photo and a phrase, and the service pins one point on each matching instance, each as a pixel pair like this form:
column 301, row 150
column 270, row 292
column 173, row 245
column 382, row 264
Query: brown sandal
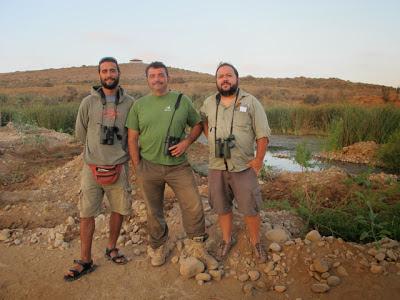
column 118, row 259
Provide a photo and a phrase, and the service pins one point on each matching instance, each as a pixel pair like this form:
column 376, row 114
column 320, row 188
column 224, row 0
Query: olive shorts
column 224, row 186
column 92, row 194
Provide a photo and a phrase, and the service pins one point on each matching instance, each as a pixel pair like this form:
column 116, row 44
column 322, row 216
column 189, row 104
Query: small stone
column 8, row 207
column 179, row 246
column 321, row 265
column 342, row 271
column 289, row 243
column 128, row 243
column 269, row 267
column 321, row 244
column 254, row 275
column 243, row 277
column 59, row 236
column 261, row 285
column 325, row 275
column 5, row 234
column 216, row 274
column 380, row 256
column 135, row 228
column 272, row 273
column 333, row 281
column 376, row 269
column 203, row 277
column 275, row 257
column 336, row 264
column 280, row 288
column 200, row 282
column 390, row 254
column 17, row 242
column 320, row 287
column 248, row 288
column 136, row 252
column 372, row 251
column 275, row 247
column 135, row 238
column 175, row 259
column 121, row 240
column 277, row 235
column 313, row 236
column 70, row 221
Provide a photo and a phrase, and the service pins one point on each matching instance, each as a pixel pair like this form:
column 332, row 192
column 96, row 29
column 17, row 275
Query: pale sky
column 352, row 40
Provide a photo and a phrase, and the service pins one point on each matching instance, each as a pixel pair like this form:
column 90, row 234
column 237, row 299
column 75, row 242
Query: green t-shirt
column 151, row 115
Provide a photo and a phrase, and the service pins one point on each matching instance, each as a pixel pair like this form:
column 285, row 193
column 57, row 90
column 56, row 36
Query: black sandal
column 87, row 267
column 118, row 259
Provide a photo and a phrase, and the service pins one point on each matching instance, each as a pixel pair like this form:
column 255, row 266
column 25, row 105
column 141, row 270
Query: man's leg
column 225, row 222
column 115, row 228
column 253, row 226
column 87, row 227
column 182, row 182
column 180, row 178
column 86, row 231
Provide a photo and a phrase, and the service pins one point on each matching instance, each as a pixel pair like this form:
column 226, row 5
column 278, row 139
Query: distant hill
column 72, row 84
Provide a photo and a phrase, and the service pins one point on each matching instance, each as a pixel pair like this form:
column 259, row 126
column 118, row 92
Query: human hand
column 256, row 165
column 180, row 148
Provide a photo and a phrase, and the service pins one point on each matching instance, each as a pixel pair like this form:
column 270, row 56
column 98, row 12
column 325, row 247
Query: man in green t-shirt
column 157, row 144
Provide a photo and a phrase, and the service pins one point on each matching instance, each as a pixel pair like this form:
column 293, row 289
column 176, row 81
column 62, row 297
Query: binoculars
column 223, row 146
column 107, row 134
column 169, row 142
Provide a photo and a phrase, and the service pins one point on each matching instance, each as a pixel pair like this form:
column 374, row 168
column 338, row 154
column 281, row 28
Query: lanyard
column 218, row 99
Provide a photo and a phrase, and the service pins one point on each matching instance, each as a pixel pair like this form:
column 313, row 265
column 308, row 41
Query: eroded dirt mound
column 361, row 153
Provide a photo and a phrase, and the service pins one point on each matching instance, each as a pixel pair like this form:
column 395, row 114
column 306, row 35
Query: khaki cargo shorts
column 92, row 194
column 224, row 186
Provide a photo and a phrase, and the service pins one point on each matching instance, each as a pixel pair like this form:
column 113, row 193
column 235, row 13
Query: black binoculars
column 107, row 134
column 223, row 146
column 169, row 142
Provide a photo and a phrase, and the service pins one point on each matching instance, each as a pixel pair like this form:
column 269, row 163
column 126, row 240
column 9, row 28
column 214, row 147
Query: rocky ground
column 39, row 233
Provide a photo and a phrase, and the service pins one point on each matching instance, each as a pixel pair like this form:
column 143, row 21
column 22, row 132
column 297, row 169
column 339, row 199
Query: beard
column 226, row 93
column 110, row 86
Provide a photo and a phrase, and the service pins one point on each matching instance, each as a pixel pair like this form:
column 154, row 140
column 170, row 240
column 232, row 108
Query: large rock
column 277, row 235
column 313, row 236
column 190, row 267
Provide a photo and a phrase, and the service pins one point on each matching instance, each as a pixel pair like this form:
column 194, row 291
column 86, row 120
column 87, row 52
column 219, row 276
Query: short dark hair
column 223, row 64
column 156, row 65
column 108, row 59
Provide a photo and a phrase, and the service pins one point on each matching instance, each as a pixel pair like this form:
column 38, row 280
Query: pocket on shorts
column 257, row 198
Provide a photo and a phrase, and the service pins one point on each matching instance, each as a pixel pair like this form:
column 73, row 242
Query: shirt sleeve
column 132, row 121
column 260, row 121
column 82, row 121
column 193, row 115
column 203, row 111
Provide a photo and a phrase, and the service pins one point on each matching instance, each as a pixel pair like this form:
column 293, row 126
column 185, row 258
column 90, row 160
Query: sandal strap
column 108, row 251
column 84, row 264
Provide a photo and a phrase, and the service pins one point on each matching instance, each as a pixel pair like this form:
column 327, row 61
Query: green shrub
column 303, row 156
column 390, row 152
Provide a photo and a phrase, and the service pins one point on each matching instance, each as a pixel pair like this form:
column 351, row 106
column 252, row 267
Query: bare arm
column 205, row 128
column 133, row 146
column 181, row 147
column 258, row 161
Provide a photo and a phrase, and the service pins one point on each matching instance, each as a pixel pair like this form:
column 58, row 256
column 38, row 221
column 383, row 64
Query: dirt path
column 36, row 273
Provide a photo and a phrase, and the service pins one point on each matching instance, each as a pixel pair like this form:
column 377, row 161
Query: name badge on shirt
column 243, row 108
